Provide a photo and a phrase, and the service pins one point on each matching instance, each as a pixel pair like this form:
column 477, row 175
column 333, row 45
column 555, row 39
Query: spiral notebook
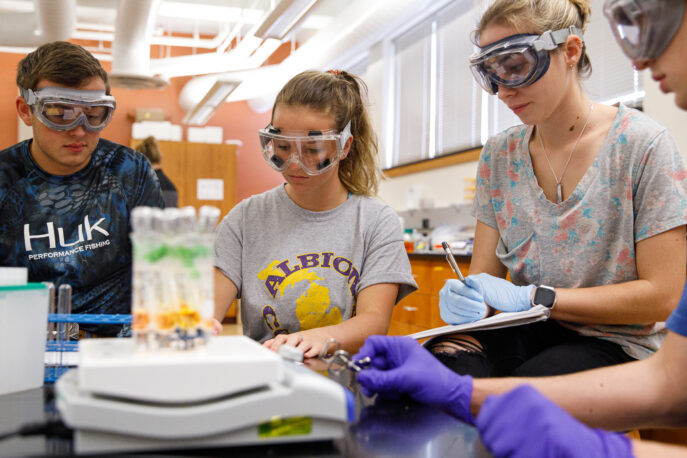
column 500, row 320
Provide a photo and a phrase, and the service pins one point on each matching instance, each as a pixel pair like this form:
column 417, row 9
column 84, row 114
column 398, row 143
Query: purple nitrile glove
column 401, row 365
column 459, row 303
column 501, row 294
column 523, row 424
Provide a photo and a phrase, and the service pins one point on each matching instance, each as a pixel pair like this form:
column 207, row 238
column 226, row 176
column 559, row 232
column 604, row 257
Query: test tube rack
column 53, row 372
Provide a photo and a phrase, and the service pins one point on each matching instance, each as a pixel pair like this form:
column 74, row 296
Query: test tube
column 171, row 221
column 51, row 309
column 142, row 220
column 156, row 220
column 207, row 218
column 64, row 307
column 187, row 219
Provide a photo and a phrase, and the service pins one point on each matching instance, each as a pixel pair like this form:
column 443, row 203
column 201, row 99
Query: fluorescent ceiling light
column 283, row 18
column 217, row 94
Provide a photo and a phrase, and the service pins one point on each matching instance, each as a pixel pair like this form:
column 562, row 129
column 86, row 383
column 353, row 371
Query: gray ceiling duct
column 131, row 46
column 348, row 35
column 51, row 20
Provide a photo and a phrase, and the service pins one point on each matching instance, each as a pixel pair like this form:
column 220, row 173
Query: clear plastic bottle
column 409, row 240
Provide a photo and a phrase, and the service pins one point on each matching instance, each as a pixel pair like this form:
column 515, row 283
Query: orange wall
column 8, row 95
column 237, row 119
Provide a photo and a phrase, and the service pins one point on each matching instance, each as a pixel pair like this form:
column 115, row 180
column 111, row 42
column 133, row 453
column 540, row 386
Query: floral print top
column 635, row 188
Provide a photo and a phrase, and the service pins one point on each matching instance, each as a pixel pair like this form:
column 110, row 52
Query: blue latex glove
column 400, row 365
column 523, row 424
column 501, row 294
column 458, row 303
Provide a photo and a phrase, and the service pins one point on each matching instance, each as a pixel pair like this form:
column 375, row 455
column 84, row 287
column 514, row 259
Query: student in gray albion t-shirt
column 318, row 257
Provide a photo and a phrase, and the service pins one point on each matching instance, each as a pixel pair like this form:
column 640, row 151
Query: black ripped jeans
column 537, row 349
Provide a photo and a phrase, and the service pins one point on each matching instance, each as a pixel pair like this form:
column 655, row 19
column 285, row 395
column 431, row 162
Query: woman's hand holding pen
column 501, row 294
column 459, row 304
column 467, row 302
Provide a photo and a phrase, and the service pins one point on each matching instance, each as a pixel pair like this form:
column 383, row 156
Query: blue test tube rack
column 53, row 372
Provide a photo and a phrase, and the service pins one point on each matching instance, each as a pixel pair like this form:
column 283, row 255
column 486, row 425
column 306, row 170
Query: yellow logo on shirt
column 313, row 307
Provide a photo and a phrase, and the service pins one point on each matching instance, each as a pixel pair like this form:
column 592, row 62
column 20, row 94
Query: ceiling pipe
column 131, row 46
column 349, row 34
column 219, row 61
column 203, row 64
column 51, row 20
column 81, row 33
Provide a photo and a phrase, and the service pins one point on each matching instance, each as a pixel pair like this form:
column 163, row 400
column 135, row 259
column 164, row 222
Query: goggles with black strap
column 518, row 60
column 644, row 28
column 63, row 109
column 315, row 151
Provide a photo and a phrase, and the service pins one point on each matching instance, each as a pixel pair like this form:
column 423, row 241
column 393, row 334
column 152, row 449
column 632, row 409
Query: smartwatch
column 544, row 295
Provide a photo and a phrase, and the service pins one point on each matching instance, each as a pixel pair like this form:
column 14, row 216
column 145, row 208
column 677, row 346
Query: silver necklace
column 559, row 189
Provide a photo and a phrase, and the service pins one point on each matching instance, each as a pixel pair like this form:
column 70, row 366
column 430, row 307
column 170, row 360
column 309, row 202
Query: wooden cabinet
column 187, row 162
column 672, row 436
column 420, row 310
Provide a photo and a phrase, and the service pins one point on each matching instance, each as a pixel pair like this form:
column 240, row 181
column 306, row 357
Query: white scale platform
column 121, row 399
column 226, row 365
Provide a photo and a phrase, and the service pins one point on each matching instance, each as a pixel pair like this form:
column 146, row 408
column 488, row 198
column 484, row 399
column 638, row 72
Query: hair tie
column 335, row 72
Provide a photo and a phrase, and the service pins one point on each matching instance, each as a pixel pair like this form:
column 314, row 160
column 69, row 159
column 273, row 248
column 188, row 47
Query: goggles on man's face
column 64, row 109
column 644, row 28
column 518, row 60
column 315, row 151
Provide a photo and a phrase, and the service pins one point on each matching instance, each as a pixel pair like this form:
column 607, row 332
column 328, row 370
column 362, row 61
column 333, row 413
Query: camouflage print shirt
column 74, row 229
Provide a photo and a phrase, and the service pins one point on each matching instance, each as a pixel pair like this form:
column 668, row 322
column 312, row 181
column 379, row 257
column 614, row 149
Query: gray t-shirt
column 635, row 188
column 297, row 269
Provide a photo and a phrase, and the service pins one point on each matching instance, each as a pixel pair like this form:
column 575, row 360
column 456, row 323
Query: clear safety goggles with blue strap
column 63, row 109
column 644, row 28
column 315, row 151
column 518, row 60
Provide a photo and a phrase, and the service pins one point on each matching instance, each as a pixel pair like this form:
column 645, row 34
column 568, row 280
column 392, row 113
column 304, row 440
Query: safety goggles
column 518, row 60
column 644, row 28
column 315, row 151
column 63, row 109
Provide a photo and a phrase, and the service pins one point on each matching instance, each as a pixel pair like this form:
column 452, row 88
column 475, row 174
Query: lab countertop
column 432, row 254
column 399, row 428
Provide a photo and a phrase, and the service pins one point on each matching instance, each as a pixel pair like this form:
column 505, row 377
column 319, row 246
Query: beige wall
column 662, row 108
column 443, row 186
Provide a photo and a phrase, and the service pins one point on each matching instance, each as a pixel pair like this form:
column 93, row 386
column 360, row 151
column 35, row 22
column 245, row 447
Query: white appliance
column 23, row 325
column 232, row 391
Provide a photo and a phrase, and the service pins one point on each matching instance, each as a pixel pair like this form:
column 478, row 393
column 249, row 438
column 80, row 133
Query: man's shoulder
column 110, row 148
column 12, row 167
column 632, row 122
column 118, row 157
column 12, row 151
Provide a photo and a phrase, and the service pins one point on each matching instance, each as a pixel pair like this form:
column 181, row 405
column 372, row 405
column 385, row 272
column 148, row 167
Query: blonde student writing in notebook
column 584, row 204
column 317, row 257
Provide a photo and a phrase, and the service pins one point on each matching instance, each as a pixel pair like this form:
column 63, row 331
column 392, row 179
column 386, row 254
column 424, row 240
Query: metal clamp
column 339, row 359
